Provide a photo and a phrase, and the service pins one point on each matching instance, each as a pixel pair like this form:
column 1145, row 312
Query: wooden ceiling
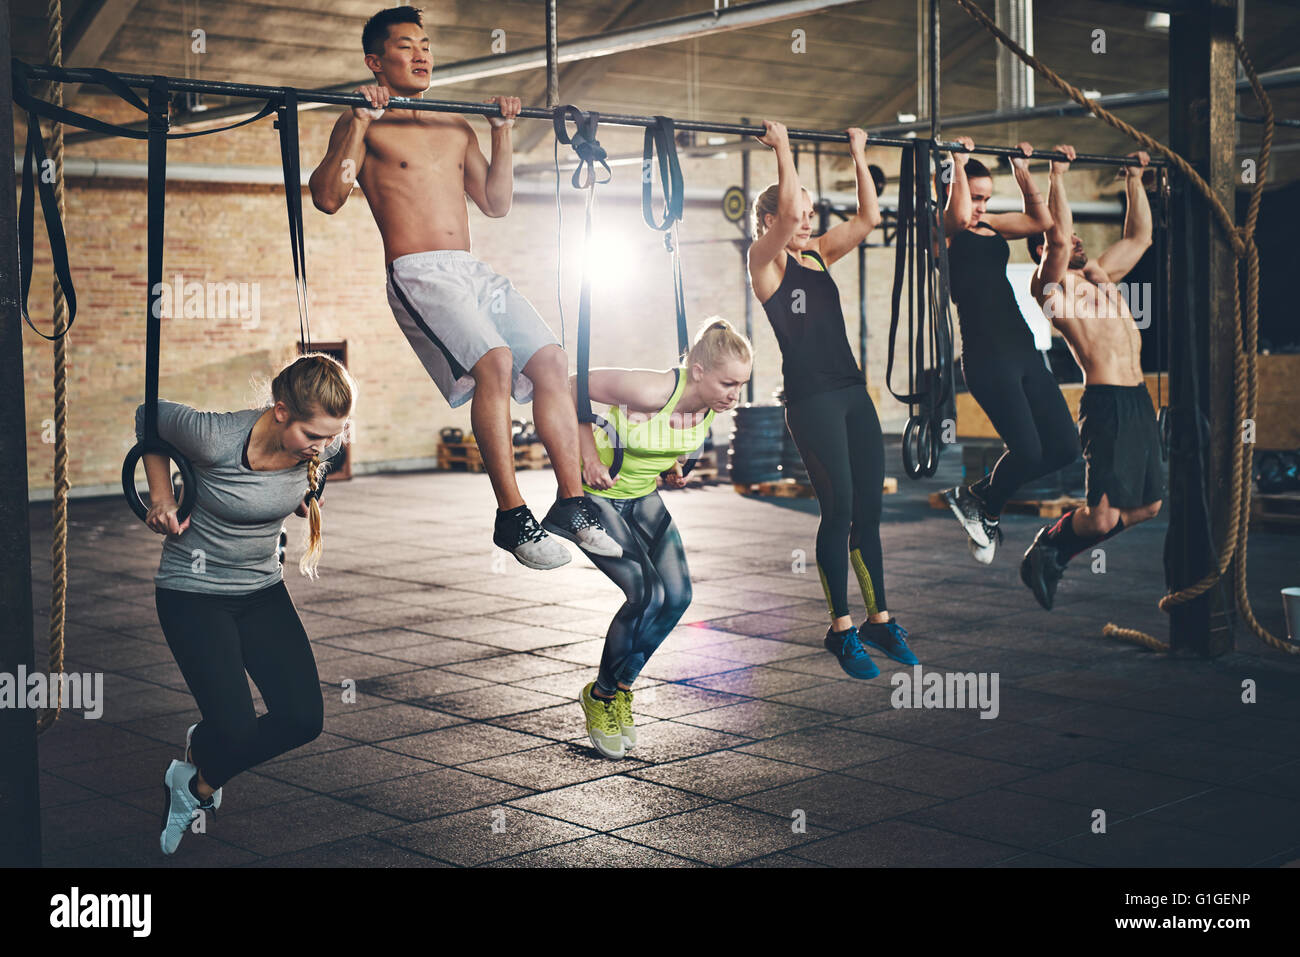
column 860, row 67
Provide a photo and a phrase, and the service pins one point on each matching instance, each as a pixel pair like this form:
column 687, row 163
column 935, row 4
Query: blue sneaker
column 853, row 658
column 889, row 637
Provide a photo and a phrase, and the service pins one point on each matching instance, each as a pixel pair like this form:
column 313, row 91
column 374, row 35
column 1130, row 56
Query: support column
column 1202, row 127
column 20, row 806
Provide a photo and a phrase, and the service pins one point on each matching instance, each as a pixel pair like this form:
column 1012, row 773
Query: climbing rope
column 1245, row 379
column 59, row 543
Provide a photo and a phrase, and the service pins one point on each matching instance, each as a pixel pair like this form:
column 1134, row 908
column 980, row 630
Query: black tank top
column 809, row 324
column 987, row 310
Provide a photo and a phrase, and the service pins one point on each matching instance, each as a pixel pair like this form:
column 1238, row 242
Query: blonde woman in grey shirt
column 220, row 591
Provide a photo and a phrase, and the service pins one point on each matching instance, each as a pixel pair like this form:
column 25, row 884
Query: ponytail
column 716, row 341
column 312, row 385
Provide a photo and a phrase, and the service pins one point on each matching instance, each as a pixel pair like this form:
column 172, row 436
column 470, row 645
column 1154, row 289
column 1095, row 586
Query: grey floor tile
column 483, row 835
column 428, row 794
column 904, row 844
column 462, row 743
column 826, row 747
column 725, row 775
column 612, row 802
column 721, row 835
column 836, row 801
column 542, row 769
column 602, row 850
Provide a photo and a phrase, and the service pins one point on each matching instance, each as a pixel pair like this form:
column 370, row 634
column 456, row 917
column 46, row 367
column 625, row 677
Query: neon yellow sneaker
column 623, row 710
column 602, row 723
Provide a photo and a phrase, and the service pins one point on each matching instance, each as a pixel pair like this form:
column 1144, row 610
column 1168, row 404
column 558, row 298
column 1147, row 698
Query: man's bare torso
column 1098, row 327
column 414, row 180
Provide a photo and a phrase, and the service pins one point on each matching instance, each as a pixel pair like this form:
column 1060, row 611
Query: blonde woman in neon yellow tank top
column 659, row 418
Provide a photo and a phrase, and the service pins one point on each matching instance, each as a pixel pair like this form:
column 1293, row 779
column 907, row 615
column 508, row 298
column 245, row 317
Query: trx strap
column 287, row 124
column 661, row 138
column 921, row 262
column 35, row 159
column 157, row 135
column 589, row 152
column 151, row 442
column 584, row 143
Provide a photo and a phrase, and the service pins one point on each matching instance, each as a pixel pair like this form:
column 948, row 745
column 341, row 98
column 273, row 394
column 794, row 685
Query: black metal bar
column 552, row 56
column 934, row 70
column 20, row 797
column 253, row 92
column 744, row 265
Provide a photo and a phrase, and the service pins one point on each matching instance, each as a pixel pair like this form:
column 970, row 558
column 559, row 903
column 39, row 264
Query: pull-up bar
column 254, row 92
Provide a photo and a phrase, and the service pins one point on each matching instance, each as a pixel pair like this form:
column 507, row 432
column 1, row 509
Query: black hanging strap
column 287, row 123
column 921, row 263
column 584, row 143
column 151, row 442
column 34, row 166
column 661, row 138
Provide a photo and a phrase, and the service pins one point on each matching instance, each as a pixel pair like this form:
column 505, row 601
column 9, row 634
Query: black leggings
column 1021, row 398
column 655, row 580
column 839, row 440
column 215, row 638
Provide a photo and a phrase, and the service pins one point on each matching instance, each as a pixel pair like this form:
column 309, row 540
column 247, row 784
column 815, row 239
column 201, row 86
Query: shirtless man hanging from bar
column 1117, row 422
column 478, row 338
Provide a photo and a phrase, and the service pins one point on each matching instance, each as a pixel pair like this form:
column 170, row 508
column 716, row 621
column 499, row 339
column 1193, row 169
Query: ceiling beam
column 93, row 31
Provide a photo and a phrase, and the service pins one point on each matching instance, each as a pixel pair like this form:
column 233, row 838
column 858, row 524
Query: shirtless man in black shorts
column 1117, row 422
column 475, row 334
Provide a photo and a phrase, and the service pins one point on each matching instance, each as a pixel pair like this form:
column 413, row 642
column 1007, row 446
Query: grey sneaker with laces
column 577, row 520
column 517, row 532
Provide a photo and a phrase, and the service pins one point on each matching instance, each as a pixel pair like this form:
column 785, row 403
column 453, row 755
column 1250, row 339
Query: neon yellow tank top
column 649, row 447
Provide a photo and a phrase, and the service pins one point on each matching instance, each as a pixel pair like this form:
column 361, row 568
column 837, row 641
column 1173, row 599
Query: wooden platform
column 1280, row 510
column 789, row 488
column 1277, row 426
column 466, row 457
column 1043, row 508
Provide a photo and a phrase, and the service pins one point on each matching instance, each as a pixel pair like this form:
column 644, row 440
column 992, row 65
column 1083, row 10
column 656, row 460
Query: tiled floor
column 465, row 745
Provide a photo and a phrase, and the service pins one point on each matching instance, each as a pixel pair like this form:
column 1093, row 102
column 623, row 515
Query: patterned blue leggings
column 653, row 575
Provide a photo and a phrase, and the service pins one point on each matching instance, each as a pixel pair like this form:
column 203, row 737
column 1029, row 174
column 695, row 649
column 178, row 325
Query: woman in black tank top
column 828, row 410
column 1004, row 371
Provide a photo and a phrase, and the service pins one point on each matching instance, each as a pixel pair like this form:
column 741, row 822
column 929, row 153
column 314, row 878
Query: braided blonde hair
column 311, row 385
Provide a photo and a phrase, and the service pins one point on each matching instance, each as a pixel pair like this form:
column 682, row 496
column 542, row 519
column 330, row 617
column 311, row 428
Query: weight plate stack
column 757, row 444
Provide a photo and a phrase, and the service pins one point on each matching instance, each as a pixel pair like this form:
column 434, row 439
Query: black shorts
column 1121, row 445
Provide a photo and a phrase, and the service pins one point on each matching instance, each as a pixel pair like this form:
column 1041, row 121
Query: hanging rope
column 1245, row 379
column 59, row 543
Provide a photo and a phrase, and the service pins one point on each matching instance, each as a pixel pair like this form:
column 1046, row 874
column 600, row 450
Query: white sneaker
column 518, row 533
column 984, row 553
column 216, row 795
column 579, row 522
column 180, row 806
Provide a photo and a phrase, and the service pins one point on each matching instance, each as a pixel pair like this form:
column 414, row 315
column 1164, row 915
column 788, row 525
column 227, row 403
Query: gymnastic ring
column 930, row 443
column 911, row 455
column 926, row 447
column 159, row 447
column 615, row 443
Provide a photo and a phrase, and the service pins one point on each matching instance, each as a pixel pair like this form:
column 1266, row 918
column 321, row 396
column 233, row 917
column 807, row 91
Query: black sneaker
column 517, row 532
column 577, row 520
column 970, row 512
column 1042, row 568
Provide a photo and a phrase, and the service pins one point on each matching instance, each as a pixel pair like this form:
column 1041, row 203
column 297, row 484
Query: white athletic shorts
column 453, row 309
